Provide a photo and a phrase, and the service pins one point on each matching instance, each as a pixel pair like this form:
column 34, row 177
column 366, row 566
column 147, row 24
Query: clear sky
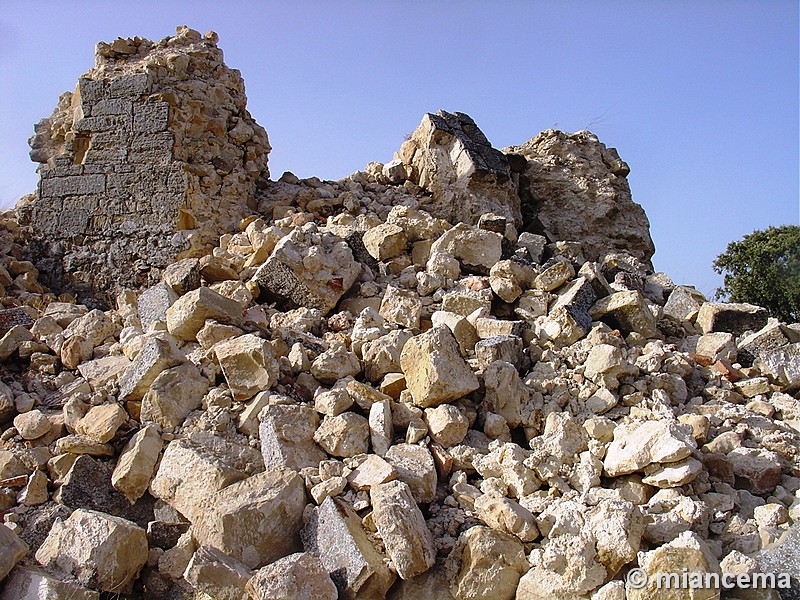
column 700, row 98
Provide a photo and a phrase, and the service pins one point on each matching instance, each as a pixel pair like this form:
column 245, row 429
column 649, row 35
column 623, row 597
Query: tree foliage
column 763, row 268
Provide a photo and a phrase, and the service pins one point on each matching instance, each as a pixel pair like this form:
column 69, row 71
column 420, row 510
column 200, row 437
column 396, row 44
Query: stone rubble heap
column 384, row 387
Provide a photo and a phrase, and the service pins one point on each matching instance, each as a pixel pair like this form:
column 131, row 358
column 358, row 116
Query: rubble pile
column 404, row 384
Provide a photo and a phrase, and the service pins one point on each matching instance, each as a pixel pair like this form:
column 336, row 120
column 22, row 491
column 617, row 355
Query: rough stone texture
column 639, row 444
column 137, row 463
column 255, row 521
column 415, row 467
column 155, row 356
column 99, row 550
column 213, row 573
column 451, row 158
column 577, row 188
column 402, row 527
column 27, row 583
column 733, row 318
column 173, row 394
column 154, row 155
column 193, row 468
column 248, row 365
column 434, row 370
column 188, row 314
column 12, row 549
column 299, row 576
column 287, row 436
column 335, row 534
column 687, row 553
column 308, row 268
column 487, row 565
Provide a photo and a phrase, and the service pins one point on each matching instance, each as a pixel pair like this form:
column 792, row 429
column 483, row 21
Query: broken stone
column 507, row 516
column 287, row 436
column 101, row 422
column 211, row 572
column 756, row 469
column 153, row 303
column 381, row 430
column 335, row 534
column 32, row 425
column 13, row 549
column 193, row 468
column 477, row 250
column 401, row 307
column 435, row 371
column 486, row 564
column 98, row 550
column 415, row 467
column 626, row 311
column 446, row 424
column 27, row 583
column 35, row 490
column 300, row 576
column 255, row 521
column 344, row 435
column 637, row 445
column 173, row 395
column 385, row 241
column 309, row 269
column 248, row 365
column 554, row 275
column 188, row 314
column 401, row 525
column 373, row 471
column 334, row 364
column 155, row 356
column 733, row 318
column 137, row 463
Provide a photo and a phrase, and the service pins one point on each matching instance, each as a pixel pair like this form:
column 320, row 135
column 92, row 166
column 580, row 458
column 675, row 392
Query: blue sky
column 700, row 98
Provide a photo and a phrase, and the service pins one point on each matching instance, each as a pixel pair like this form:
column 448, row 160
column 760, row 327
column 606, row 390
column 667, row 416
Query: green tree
column 763, row 268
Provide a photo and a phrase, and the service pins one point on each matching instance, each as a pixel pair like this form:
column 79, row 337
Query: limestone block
column 554, row 274
column 308, row 268
column 476, row 249
column 155, row 356
column 486, row 564
column 217, row 575
column 137, row 463
column 343, row 435
column 381, row 429
column 446, row 424
column 415, row 467
column 12, row 549
column 626, row 311
column 188, row 314
column 687, row 553
column 191, row 469
column 173, row 395
column 32, row 424
column 402, row 307
column 385, row 241
column 756, row 469
column 256, row 520
column 28, row 583
column 507, row 516
column 639, row 444
column 101, row 422
column 402, row 527
column 153, row 303
column 300, row 576
column 248, row 365
column 435, row 371
column 731, row 317
column 98, row 550
column 371, row 472
column 287, row 436
column 334, row 533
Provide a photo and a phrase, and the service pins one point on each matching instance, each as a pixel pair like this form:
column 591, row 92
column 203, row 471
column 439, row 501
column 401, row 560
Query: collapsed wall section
column 151, row 158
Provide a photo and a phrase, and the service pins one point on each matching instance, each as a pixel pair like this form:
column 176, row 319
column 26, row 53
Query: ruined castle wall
column 151, row 158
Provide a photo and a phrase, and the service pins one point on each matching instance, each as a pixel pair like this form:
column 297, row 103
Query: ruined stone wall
column 151, row 158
